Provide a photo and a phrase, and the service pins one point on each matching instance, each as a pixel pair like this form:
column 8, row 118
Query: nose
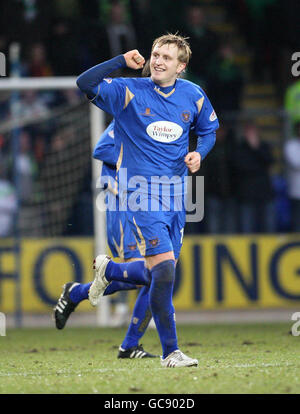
column 158, row 60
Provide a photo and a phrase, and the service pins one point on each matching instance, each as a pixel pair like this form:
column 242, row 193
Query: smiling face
column 165, row 65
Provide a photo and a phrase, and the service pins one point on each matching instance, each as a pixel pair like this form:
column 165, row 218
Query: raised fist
column 134, row 59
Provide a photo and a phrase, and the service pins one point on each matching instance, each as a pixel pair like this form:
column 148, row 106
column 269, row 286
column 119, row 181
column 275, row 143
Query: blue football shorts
column 120, row 237
column 158, row 231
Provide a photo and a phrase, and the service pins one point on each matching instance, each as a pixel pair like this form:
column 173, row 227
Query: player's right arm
column 89, row 80
column 106, row 93
column 109, row 94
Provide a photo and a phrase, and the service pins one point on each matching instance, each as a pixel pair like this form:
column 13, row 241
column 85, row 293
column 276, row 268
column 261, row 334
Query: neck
column 164, row 84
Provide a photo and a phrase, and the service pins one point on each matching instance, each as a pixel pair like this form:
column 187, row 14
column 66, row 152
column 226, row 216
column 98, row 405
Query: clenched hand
column 193, row 161
column 134, row 59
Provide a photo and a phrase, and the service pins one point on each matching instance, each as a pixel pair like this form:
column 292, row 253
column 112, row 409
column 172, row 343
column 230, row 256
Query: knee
column 163, row 272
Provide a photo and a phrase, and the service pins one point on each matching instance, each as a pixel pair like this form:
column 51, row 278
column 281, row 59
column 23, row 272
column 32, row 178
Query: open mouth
column 160, row 70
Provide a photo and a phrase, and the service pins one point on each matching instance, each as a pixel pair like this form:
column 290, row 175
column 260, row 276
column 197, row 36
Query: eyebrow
column 164, row 55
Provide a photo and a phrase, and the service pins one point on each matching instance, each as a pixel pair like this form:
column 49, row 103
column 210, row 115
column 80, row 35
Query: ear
column 180, row 68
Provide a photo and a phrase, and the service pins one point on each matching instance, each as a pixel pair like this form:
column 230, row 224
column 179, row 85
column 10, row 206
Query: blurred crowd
column 64, row 38
column 241, row 194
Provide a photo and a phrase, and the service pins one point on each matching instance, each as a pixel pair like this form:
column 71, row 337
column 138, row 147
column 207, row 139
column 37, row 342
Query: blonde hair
column 184, row 50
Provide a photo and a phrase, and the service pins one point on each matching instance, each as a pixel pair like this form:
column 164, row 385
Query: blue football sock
column 160, row 298
column 132, row 272
column 140, row 319
column 80, row 292
column 115, row 286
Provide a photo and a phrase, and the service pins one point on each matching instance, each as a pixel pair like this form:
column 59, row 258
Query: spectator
column 251, row 161
column 292, row 157
column 40, row 148
column 61, row 140
column 61, row 42
column 225, row 80
column 142, row 16
column 152, row 18
column 121, row 36
column 282, row 203
column 25, row 21
column 203, row 42
column 70, row 97
column 258, row 16
column 8, row 203
column 38, row 64
column 219, row 186
column 26, row 167
column 115, row 36
column 33, row 105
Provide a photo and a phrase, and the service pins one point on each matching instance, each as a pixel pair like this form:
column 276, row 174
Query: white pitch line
column 103, row 370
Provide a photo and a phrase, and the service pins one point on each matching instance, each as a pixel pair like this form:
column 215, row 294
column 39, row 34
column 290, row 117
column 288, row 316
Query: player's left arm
column 193, row 161
column 205, row 127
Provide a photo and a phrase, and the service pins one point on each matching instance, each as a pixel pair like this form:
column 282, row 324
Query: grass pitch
column 252, row 358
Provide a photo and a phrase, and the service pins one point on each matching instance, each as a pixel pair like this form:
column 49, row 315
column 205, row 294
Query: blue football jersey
column 105, row 151
column 120, row 238
column 152, row 124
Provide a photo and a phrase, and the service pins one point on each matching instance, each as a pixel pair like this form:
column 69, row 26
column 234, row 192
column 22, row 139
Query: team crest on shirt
column 154, row 242
column 108, row 80
column 132, row 247
column 186, row 116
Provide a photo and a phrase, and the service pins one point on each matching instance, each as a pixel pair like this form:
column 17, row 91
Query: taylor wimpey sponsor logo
column 164, row 131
